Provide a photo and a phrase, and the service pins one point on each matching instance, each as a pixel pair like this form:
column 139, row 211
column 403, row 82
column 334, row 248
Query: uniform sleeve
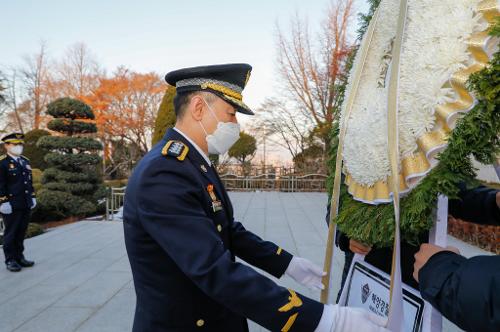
column 262, row 254
column 477, row 205
column 466, row 291
column 4, row 196
column 171, row 212
column 30, row 183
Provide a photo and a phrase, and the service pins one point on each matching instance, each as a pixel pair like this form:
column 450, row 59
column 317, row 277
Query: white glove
column 5, row 208
column 344, row 319
column 305, row 272
column 34, row 203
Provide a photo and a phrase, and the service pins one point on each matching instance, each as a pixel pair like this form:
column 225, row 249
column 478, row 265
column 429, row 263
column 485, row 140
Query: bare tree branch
column 312, row 69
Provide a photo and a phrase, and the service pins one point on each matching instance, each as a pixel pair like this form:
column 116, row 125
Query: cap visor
column 239, row 105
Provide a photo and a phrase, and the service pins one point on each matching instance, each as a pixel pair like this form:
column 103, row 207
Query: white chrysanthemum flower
column 434, row 47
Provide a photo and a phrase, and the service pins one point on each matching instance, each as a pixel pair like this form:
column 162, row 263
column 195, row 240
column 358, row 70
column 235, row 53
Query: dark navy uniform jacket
column 182, row 244
column 16, row 183
column 466, row 291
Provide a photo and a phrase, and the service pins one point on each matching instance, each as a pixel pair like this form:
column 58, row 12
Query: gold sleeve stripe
column 295, row 302
column 289, row 322
column 278, row 252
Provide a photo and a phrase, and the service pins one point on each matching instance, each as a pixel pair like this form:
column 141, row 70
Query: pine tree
column 35, row 154
column 72, row 184
column 244, row 150
column 166, row 116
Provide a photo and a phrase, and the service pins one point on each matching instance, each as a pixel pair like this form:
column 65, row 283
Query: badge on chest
column 216, row 203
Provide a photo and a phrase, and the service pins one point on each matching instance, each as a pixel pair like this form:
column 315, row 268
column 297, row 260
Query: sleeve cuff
column 283, row 261
column 326, row 321
column 436, row 272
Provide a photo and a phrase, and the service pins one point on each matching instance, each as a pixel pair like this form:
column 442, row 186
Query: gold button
column 200, row 323
column 219, row 228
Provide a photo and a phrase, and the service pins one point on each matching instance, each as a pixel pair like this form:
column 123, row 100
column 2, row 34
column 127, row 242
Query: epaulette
column 25, row 157
column 175, row 149
column 2, row 157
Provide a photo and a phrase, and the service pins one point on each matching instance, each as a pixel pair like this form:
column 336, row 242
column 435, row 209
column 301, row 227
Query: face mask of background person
column 14, row 149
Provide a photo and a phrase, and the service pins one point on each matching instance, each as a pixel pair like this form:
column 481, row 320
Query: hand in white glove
column 305, row 272
column 343, row 319
column 5, row 208
column 34, row 203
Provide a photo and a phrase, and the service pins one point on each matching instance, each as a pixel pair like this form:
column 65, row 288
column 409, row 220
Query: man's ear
column 196, row 107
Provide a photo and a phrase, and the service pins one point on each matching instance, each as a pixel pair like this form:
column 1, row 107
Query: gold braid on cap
column 225, row 90
column 14, row 141
column 229, row 89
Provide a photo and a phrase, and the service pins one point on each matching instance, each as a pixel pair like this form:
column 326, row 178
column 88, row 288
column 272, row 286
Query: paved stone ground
column 82, row 280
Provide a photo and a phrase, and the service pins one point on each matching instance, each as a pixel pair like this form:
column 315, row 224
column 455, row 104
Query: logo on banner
column 365, row 292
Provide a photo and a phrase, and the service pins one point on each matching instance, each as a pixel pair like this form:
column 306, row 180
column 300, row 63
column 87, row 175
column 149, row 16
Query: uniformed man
column 17, row 198
column 182, row 239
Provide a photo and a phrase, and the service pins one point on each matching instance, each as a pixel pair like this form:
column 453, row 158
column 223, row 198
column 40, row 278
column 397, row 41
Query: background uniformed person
column 17, row 198
column 182, row 239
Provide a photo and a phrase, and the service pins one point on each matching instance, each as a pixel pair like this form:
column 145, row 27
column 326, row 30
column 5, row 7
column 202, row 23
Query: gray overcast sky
column 159, row 36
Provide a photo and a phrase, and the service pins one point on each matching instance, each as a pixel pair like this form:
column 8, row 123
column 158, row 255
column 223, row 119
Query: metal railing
column 274, row 182
column 114, row 202
column 232, row 182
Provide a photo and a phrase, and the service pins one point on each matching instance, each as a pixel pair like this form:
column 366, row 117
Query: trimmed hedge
column 69, row 143
column 166, row 115
column 72, row 185
column 116, row 183
column 37, row 178
column 70, row 109
column 33, row 230
column 32, row 151
column 56, row 175
column 66, row 125
column 72, row 161
column 75, row 188
column 55, row 205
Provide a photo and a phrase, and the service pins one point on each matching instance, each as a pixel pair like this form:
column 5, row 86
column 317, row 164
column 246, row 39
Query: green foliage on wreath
column 476, row 134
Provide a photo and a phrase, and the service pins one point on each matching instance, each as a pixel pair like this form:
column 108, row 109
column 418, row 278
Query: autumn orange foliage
column 125, row 106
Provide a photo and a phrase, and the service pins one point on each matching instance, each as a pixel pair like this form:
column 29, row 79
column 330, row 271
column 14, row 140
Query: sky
column 159, row 36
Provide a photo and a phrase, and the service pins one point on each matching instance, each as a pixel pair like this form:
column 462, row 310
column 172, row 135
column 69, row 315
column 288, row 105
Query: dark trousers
column 349, row 255
column 16, row 225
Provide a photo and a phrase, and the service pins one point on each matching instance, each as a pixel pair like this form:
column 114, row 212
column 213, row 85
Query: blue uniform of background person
column 182, row 254
column 16, row 188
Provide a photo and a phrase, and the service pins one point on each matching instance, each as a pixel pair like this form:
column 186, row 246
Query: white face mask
column 224, row 136
column 16, row 150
